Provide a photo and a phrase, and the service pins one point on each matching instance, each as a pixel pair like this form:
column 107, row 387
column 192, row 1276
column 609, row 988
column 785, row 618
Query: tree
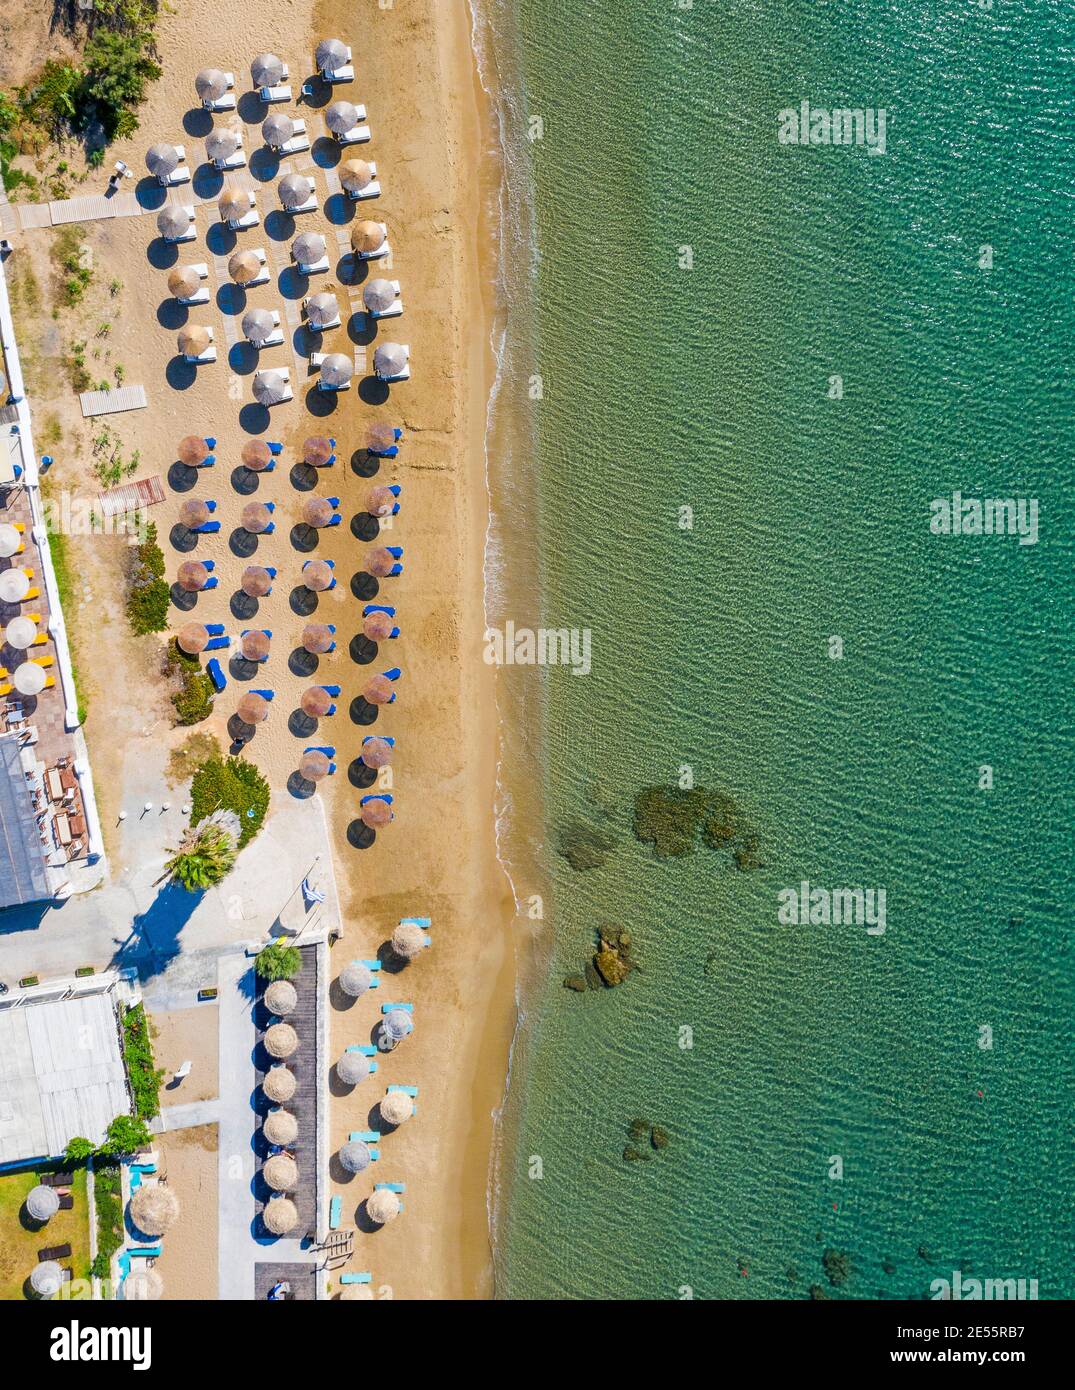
column 203, row 857
column 278, row 962
column 78, row 1150
column 125, row 1135
column 118, row 66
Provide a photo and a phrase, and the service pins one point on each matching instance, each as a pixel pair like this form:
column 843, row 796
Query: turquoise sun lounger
column 364, row 1278
column 387, row 1008
column 335, row 1212
column 367, row 1136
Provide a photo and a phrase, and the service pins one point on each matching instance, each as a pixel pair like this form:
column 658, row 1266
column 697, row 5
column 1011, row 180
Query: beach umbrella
column 266, row 70
column 390, row 360
column 281, row 997
column 376, row 814
column 192, row 576
column 308, row 248
column 270, row 387
column 408, row 940
column 341, row 117
column 162, row 160
column 193, row 340
column 29, row 678
column 355, row 175
column 21, row 633
column 379, row 295
column 316, row 701
column 279, row 1084
column 280, row 1216
column 192, row 638
column 376, row 752
column 378, row 690
column 14, row 586
column 316, row 638
column 46, row 1278
column 10, row 539
column 295, row 190
column 367, row 237
column 277, row 129
column 317, row 450
column 331, row 54
column 315, row 765
column 256, row 516
column 352, row 1068
column 321, row 310
column 337, row 370
column 352, row 1293
column 255, row 646
column 380, row 437
column 380, row 501
column 317, row 511
column 355, row 979
column 254, row 709
column 255, row 582
column 183, row 281
column 244, row 266
column 383, row 1206
column 281, row 1127
column 355, row 1156
column 256, row 455
column 258, row 328
column 173, row 221
column 221, row 144
column 379, row 562
column 193, row 512
column 398, row 1024
column 397, row 1107
column 281, row 1040
column 154, row 1208
column 192, row 450
column 210, row 84
column 281, row 1173
column 378, row 627
column 42, row 1202
column 234, row 203
column 142, row 1286
column 317, row 574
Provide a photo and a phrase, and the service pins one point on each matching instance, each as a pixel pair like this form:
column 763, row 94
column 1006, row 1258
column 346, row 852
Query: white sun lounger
column 382, row 250
column 344, row 74
column 313, row 267
column 405, row 374
column 372, row 189
column 299, row 141
column 393, row 311
column 316, row 358
column 309, row 206
column 227, row 101
column 325, row 326
column 250, row 219
column 263, row 278
column 233, row 161
column 274, row 339
column 209, row 355
column 177, row 176
column 289, row 395
column 202, row 296
column 357, row 135
column 271, row 94
column 188, row 235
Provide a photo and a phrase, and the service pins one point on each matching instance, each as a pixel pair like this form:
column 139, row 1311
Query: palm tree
column 203, row 857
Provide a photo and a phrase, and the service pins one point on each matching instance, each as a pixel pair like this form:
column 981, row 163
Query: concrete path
column 198, row 1112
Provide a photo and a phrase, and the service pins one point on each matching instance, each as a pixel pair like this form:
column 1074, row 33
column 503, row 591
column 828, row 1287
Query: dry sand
column 188, row 1261
column 187, row 1035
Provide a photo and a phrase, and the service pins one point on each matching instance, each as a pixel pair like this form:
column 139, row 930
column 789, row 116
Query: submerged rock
column 658, row 1137
column 837, row 1265
column 639, row 1130
column 631, row 1154
column 584, row 846
column 611, row 966
column 593, row 979
column 577, row 982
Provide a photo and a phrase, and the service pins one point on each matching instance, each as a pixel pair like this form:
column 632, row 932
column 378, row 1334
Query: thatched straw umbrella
column 281, row 1040
column 355, row 1156
column 280, row 1216
column 341, row 116
column 354, row 1293
column 378, row 690
column 383, row 1206
column 317, row 574
column 408, row 940
column 256, row 455
column 277, row 129
column 192, row 450
column 255, row 645
column 355, row 979
column 192, row 638
column 256, row 517
column 316, row 638
column 352, row 1068
column 279, row 1084
column 254, row 709
column 234, row 203
column 193, row 340
column 308, row 248
column 281, row 997
column 367, row 236
column 376, row 814
column 162, row 160
column 281, row 1127
column 210, row 84
column 143, row 1286
column 390, row 360
column 183, row 281
column 379, row 562
column 317, row 450
column 173, row 221
column 321, row 310
column 243, row 267
column 192, row 576
column 378, row 627
column 42, row 1202
column 266, row 70
column 193, row 512
column 281, row 1173
column 255, row 582
column 337, row 370
column 295, row 190
column 315, row 765
column 398, row 1024
column 355, row 175
column 397, row 1108
column 330, row 55
column 376, row 753
column 316, row 702
column 317, row 511
column 258, row 328
column 270, row 387
column 380, row 437
column 154, row 1209
column 380, row 501
column 379, row 295
column 221, row 144
column 46, row 1278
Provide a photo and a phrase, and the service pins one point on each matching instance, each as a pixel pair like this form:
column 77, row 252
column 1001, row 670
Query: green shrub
column 193, row 692
column 142, row 1071
column 203, row 858
column 148, row 594
column 108, row 1203
column 78, row 1150
column 126, row 1134
column 230, row 784
column 278, row 961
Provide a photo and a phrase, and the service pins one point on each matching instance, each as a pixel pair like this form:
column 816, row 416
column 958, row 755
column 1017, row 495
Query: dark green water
column 708, row 388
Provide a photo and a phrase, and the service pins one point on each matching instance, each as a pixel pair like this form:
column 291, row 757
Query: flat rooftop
column 61, row 1075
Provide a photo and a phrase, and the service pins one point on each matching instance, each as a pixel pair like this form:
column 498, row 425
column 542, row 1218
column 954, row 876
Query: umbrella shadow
column 182, row 538
column 364, row 464
column 373, row 390
column 303, row 538
column 362, row 712
column 154, row 936
column 231, row 298
column 292, row 283
column 264, row 164
column 254, row 418
column 301, row 724
column 171, row 314
column 243, row 543
column 180, row 374
column 182, row 477
column 243, row 670
column 325, row 152
column 352, row 269
column 362, row 328
column 198, row 122
column 150, row 194
column 182, row 599
column 303, row 663
column 303, row 601
column 365, row 526
column 161, row 254
column 303, row 477
column 362, row 650
column 208, row 182
column 365, row 586
column 251, row 109
column 245, row 480
column 243, row 358
column 339, row 209
column 321, row 403
column 240, row 732
column 299, row 787
column 361, row 776
column 221, row 239
column 342, row 1002
column 243, row 605
column 279, row 225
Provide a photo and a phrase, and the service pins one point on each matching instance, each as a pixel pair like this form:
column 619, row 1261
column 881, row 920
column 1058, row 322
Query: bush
column 78, row 1150
column 142, row 1071
column 108, row 1202
column 126, row 1134
column 230, row 784
column 148, row 595
column 203, row 858
column 278, row 961
column 193, row 698
column 118, row 68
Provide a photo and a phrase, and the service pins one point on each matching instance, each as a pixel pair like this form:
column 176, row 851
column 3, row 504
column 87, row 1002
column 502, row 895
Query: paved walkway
column 198, row 1112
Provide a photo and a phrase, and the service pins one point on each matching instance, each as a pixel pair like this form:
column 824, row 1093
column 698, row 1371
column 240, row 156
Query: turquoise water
column 662, row 388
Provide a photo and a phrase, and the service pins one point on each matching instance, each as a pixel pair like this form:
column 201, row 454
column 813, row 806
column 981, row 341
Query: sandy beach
column 416, row 76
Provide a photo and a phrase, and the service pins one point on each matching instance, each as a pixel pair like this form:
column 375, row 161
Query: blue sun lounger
column 273, row 447
column 216, row 675
column 387, row 1008
column 210, row 443
column 211, row 583
column 208, row 461
column 266, row 694
column 355, row 1278
column 335, row 1212
column 208, row 528
column 367, row 1050
column 367, row 1136
column 216, row 644
column 396, row 1187
column 214, row 629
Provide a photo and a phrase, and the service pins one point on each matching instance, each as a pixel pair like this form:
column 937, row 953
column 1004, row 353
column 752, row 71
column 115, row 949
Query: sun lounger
column 177, row 176
column 208, row 461
column 353, row 1277
column 357, row 135
column 299, row 141
column 57, row 1179
column 216, row 675
column 233, row 161
column 396, row 1187
column 342, row 74
column 407, row 1090
column 371, row 190
column 366, row 1050
column 367, row 1136
column 210, row 584
column 214, row 629
column 216, row 644
column 281, row 92
column 335, row 1213
column 188, row 235
column 207, row 528
column 54, row 1252
column 202, row 296
column 273, row 447
column 393, row 311
column 67, row 1202
column 387, row 1008
column 269, row 695
column 310, row 205
column 209, row 355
